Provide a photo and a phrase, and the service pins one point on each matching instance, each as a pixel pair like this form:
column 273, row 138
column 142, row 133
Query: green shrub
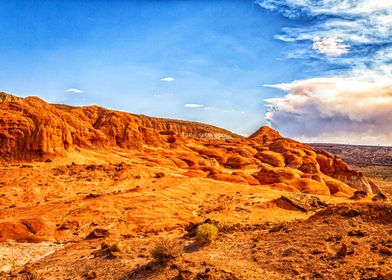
column 206, row 233
column 166, row 249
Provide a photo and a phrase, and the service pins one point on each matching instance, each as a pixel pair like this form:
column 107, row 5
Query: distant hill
column 360, row 155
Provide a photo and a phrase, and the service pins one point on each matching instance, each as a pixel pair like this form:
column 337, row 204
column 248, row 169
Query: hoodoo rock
column 33, row 130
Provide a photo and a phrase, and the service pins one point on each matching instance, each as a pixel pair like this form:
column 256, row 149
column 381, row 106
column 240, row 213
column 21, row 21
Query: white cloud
column 168, row 79
column 193, row 105
column 351, row 109
column 330, row 46
column 74, row 90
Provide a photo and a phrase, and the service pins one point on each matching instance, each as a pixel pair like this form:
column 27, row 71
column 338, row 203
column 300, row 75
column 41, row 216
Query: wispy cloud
column 163, row 94
column 330, row 46
column 74, row 90
column 168, row 79
column 353, row 104
column 348, row 22
column 193, row 106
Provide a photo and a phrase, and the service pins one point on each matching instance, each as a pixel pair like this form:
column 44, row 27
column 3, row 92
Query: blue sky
column 225, row 63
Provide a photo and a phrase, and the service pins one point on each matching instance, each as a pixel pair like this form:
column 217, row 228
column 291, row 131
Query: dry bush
column 30, row 276
column 206, row 233
column 166, row 249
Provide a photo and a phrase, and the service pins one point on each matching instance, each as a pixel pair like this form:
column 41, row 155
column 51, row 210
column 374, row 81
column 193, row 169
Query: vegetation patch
column 206, row 233
column 166, row 249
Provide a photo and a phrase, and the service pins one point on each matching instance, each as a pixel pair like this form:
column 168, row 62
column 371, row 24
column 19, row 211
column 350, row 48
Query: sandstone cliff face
column 31, row 129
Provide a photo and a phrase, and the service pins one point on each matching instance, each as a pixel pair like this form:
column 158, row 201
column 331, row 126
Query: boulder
column 237, row 162
column 336, row 186
column 249, row 178
column 309, row 165
column 292, row 160
column 310, row 186
column 272, row 158
column 270, row 175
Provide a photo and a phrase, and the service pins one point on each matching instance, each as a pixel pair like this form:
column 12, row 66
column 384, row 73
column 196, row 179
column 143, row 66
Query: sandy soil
column 52, row 207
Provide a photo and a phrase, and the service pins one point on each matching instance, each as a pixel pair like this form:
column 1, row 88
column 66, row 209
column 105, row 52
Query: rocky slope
column 31, row 129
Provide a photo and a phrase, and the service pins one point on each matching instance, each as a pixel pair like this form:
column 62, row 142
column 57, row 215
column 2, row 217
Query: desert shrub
column 30, row 276
column 206, row 233
column 166, row 249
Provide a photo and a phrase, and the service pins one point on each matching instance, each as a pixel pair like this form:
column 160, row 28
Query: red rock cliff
column 32, row 129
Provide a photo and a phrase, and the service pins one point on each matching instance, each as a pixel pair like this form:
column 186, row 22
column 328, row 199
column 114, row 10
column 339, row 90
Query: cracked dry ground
column 57, row 205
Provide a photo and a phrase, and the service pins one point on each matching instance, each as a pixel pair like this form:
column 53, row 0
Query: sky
column 316, row 70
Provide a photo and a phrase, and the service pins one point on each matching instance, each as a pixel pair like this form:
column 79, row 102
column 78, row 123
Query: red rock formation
column 272, row 158
column 334, row 167
column 31, row 129
column 24, row 231
column 249, row 178
column 271, row 175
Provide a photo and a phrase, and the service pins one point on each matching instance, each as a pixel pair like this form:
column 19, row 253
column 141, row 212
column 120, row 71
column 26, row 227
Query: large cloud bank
column 344, row 110
column 352, row 105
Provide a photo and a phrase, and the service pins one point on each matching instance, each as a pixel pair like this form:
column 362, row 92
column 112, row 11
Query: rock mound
column 265, row 134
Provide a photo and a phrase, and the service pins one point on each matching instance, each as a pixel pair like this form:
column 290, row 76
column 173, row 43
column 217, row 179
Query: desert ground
column 261, row 236
column 99, row 201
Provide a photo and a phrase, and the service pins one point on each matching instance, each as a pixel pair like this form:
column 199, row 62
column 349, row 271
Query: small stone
column 98, row 233
column 68, row 225
column 316, row 252
column 357, row 233
column 277, row 228
column 359, row 195
column 104, row 245
column 379, row 197
column 92, row 195
column 91, row 275
column 119, row 247
column 385, row 251
column 288, row 252
column 342, row 252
